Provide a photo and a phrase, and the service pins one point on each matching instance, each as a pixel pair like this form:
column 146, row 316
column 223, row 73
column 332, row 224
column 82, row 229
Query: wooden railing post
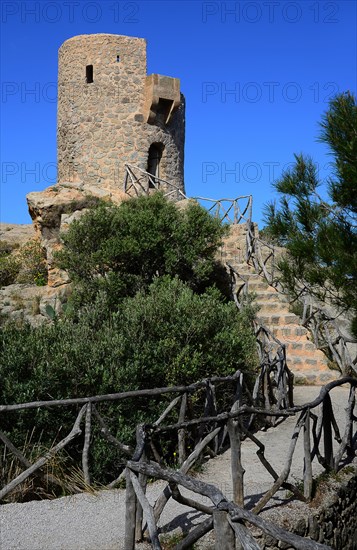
column 87, row 436
column 130, row 513
column 236, row 462
column 225, row 536
column 182, row 432
column 327, row 426
column 140, row 441
column 307, row 458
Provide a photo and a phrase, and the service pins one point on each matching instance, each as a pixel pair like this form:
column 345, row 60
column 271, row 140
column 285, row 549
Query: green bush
column 32, row 262
column 26, row 264
column 9, row 268
column 173, row 336
column 168, row 336
column 120, row 249
column 147, row 312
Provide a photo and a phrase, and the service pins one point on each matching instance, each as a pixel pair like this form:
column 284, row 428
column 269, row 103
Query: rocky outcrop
column 29, row 303
column 52, row 211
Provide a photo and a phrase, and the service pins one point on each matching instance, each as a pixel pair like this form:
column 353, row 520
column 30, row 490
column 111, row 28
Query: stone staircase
column 308, row 364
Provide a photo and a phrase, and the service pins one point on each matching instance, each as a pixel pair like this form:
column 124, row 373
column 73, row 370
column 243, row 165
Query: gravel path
column 96, row 522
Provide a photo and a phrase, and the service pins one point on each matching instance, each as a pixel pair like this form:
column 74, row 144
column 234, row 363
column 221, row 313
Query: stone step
column 280, row 320
column 234, row 258
column 308, row 364
column 301, row 347
column 245, row 269
column 272, row 306
column 257, row 280
column 256, row 285
column 317, row 377
column 289, row 332
column 310, row 370
column 244, row 272
column 266, row 295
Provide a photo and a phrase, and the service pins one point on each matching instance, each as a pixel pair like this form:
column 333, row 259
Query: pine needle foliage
column 320, row 236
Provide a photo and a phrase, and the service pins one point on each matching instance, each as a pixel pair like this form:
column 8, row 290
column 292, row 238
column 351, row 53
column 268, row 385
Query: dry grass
column 58, row 477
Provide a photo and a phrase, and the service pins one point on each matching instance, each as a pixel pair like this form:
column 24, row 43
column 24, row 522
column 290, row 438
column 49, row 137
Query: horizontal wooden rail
column 237, row 432
column 116, row 396
column 220, row 502
column 229, row 210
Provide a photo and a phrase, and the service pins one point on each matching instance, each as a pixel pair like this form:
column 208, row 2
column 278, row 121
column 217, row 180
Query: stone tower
column 110, row 113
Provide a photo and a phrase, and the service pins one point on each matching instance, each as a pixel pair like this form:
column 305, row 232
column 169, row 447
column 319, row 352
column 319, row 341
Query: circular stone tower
column 110, row 113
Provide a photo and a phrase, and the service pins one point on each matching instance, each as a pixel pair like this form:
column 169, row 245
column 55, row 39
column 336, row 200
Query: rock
column 28, row 302
column 54, row 209
column 16, row 234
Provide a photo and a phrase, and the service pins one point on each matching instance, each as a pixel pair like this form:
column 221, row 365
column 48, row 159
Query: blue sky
column 257, row 76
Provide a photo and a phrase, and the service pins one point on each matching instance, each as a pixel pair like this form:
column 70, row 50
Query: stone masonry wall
column 330, row 519
column 101, row 125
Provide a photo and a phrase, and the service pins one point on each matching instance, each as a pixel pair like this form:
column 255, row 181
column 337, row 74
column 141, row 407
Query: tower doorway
column 154, row 161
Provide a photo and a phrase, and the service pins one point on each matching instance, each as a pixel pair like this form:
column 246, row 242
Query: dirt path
column 87, row 522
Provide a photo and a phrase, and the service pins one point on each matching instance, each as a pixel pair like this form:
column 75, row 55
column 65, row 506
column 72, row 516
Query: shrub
column 120, row 249
column 170, row 335
column 9, row 268
column 32, row 263
column 173, row 336
column 145, row 314
column 27, row 264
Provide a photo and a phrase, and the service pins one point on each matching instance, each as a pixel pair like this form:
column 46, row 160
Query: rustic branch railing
column 229, row 210
column 197, row 436
column 272, row 353
column 328, row 336
column 233, row 423
column 138, row 182
column 324, row 327
column 90, row 415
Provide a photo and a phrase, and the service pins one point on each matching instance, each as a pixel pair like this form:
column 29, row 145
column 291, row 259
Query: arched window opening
column 89, row 74
column 154, row 160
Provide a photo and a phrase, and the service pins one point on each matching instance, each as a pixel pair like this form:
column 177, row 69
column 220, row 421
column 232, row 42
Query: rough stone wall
column 331, row 519
column 101, row 125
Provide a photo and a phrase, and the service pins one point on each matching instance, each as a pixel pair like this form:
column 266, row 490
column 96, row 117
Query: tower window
column 118, row 58
column 89, row 74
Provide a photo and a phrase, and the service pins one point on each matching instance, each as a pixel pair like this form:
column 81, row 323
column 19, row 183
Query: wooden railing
column 324, row 327
column 138, row 182
column 207, row 432
column 328, row 336
column 271, row 351
column 194, row 433
column 89, row 414
column 225, row 516
column 232, row 211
